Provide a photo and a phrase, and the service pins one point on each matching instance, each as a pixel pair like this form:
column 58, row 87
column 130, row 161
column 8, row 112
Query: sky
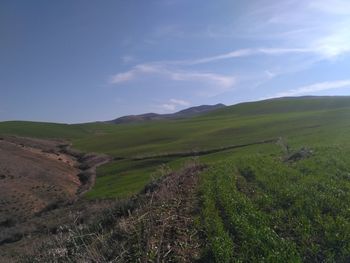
column 75, row 61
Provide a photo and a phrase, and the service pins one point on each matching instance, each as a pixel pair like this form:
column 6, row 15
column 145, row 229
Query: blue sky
column 78, row 61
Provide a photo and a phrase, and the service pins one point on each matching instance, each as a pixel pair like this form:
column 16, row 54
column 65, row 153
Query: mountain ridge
column 182, row 114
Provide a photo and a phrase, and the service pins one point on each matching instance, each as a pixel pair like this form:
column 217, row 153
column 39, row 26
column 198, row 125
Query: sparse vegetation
column 155, row 226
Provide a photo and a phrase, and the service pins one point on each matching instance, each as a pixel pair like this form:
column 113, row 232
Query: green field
column 256, row 207
column 265, row 208
column 301, row 121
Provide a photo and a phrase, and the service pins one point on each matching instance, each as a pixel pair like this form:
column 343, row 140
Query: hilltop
column 186, row 113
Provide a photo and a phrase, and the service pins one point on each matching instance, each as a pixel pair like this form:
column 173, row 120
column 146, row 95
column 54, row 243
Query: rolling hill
column 276, row 186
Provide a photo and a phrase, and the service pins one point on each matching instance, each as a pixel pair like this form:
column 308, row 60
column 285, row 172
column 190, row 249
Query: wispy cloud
column 123, row 76
column 173, row 104
column 277, row 37
column 318, row 26
column 245, row 53
column 220, row 80
column 223, row 81
column 334, row 44
column 180, row 102
column 167, row 107
column 177, row 70
column 337, row 7
column 314, row 88
column 328, row 21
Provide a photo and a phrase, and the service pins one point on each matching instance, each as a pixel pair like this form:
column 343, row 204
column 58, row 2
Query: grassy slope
column 235, row 124
column 240, row 123
column 41, row 129
column 222, row 128
column 308, row 121
column 256, row 208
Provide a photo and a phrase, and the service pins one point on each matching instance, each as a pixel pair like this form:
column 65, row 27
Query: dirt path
column 166, row 220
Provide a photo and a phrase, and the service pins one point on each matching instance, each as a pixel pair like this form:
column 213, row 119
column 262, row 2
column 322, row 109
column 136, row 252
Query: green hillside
column 41, row 129
column 310, row 121
column 241, row 123
column 285, row 105
column 277, row 187
column 236, row 124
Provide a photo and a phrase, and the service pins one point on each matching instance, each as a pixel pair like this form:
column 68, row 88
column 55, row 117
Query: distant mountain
column 187, row 113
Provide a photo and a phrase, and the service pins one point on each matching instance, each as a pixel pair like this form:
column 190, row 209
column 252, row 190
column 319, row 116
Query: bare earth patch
column 32, row 179
column 38, row 177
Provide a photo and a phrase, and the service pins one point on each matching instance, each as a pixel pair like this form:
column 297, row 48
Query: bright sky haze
column 85, row 60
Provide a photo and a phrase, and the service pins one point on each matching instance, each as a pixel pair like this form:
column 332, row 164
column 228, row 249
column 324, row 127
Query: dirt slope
column 38, row 178
column 32, row 178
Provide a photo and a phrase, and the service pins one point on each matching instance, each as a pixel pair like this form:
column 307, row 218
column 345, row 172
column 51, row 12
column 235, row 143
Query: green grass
column 41, row 129
column 271, row 211
column 125, row 177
